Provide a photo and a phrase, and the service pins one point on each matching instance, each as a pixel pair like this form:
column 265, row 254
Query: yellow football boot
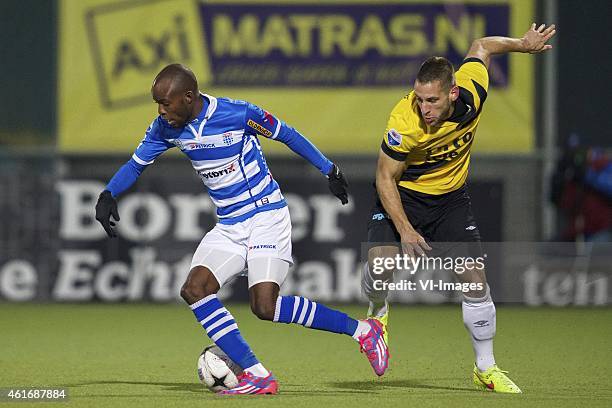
column 495, row 380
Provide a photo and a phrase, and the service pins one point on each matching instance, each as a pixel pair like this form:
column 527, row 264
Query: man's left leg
column 265, row 277
column 457, row 231
column 479, row 318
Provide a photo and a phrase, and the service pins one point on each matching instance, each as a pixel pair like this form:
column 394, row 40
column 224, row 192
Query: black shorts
column 445, row 221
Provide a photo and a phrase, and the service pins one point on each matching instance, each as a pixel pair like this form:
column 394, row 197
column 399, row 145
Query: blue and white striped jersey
column 224, row 150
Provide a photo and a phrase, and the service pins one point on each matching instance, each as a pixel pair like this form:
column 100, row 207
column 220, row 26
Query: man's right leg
column 457, row 235
column 208, row 273
column 383, row 242
column 375, row 276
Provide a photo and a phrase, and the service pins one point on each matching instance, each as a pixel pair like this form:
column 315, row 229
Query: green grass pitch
column 145, row 356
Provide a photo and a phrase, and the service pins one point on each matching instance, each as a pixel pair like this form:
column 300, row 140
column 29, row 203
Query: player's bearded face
column 435, row 101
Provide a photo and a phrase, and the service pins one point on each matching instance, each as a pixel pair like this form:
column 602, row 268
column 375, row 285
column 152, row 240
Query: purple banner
column 343, row 45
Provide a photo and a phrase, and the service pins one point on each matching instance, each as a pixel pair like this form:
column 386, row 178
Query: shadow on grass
column 197, row 388
column 337, row 387
column 369, row 385
column 168, row 386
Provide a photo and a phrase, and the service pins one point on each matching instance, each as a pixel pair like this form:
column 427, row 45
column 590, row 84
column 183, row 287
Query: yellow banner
column 333, row 69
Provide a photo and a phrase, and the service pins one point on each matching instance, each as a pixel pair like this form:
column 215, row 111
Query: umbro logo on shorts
column 378, row 216
column 481, row 323
column 470, row 228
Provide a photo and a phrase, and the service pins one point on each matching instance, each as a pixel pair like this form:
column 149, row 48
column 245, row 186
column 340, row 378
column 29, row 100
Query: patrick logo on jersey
column 226, row 139
column 185, row 145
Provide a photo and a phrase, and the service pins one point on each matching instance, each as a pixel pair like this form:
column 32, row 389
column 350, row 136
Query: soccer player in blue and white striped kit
column 220, row 137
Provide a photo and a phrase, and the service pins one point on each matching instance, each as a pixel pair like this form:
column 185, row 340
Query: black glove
column 338, row 184
column 106, row 207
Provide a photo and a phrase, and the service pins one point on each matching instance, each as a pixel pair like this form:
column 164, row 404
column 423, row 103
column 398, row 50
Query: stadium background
column 76, row 105
column 103, row 318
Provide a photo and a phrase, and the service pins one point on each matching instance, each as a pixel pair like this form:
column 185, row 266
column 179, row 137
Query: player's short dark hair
column 437, row 69
column 183, row 79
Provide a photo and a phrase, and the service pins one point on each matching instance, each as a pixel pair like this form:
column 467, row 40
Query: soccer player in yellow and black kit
column 420, row 180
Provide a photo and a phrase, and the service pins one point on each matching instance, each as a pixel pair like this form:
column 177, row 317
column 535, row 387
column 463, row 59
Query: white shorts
column 265, row 235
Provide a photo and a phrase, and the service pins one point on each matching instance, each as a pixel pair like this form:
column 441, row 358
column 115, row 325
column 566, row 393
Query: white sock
column 368, row 280
column 258, row 370
column 362, row 328
column 377, row 309
column 479, row 317
column 483, row 349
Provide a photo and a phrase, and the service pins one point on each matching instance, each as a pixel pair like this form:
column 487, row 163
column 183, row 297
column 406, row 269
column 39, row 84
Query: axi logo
column 131, row 42
column 151, row 51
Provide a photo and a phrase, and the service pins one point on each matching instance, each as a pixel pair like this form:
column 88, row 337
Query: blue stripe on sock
column 220, row 327
column 240, row 354
column 333, row 320
column 215, row 319
column 351, row 326
column 286, row 309
column 231, row 343
column 308, row 310
column 299, row 309
column 206, row 309
column 324, row 318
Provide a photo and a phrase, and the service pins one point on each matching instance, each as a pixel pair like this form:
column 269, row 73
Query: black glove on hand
column 338, row 184
column 106, row 207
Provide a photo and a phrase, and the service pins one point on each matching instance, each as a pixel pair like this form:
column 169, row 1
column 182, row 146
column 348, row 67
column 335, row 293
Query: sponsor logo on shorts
column 378, row 216
column 470, row 228
column 259, row 128
column 263, row 246
column 394, row 138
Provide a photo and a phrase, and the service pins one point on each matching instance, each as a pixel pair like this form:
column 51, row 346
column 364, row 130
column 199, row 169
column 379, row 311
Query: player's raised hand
column 413, row 243
column 105, row 207
column 534, row 40
column 338, row 184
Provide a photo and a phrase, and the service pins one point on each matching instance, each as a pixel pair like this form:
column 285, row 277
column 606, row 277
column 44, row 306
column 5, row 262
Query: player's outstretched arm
column 302, row 146
column 534, row 41
column 388, row 172
column 147, row 151
column 262, row 123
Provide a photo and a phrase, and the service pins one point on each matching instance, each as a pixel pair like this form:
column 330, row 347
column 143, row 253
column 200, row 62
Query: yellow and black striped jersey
column 437, row 158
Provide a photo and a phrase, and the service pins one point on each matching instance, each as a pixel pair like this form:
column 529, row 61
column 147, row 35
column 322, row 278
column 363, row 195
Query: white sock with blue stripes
column 305, row 312
column 223, row 330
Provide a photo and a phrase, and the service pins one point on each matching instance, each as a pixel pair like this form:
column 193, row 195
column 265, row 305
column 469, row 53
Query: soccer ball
column 216, row 370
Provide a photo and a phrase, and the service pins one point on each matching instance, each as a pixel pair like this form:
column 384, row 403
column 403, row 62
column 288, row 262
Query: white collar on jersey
column 212, row 106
